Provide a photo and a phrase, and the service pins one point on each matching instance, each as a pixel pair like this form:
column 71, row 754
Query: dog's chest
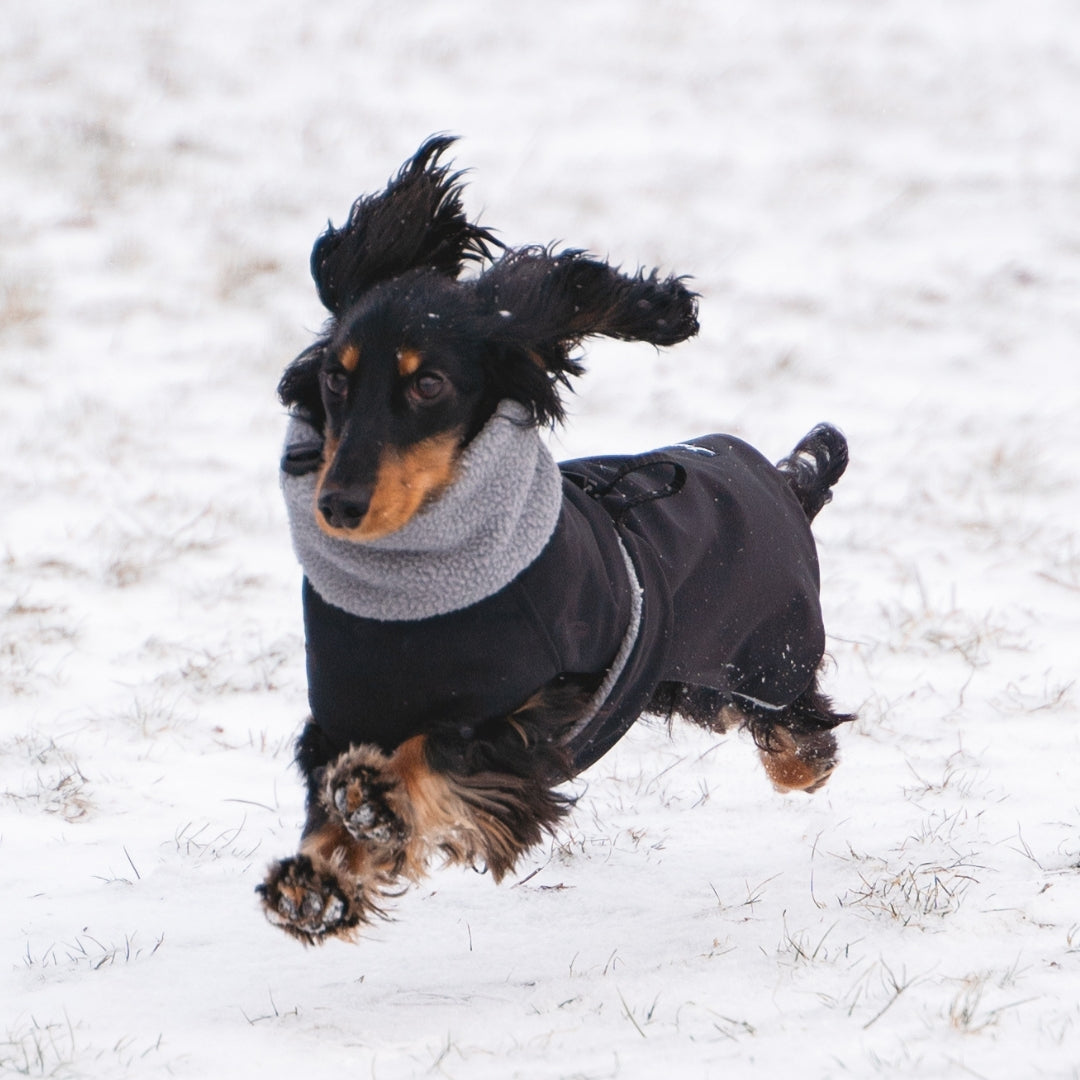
column 380, row 681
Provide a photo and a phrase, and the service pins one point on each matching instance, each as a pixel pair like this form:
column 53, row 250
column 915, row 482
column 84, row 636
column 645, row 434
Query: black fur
column 416, row 222
column 814, row 466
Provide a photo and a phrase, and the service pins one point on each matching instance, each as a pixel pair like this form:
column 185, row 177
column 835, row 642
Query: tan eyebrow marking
column 350, row 357
column 408, row 362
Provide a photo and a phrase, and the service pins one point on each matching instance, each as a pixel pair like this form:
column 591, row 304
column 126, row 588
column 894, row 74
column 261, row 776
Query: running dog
column 482, row 623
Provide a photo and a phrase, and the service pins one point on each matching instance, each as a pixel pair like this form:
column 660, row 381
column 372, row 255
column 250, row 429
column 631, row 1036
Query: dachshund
column 482, row 624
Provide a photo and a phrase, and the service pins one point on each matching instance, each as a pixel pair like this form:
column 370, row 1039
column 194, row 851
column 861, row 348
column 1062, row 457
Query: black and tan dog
column 483, row 624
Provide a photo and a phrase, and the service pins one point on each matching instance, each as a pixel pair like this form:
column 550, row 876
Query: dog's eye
column 336, row 383
column 428, row 385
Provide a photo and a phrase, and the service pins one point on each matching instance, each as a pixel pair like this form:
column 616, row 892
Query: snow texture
column 880, row 205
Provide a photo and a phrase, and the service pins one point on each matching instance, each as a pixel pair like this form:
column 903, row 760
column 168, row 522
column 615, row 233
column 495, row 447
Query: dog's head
column 414, row 360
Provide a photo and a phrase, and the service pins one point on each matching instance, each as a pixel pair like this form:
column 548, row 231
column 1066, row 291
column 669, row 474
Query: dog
column 483, row 624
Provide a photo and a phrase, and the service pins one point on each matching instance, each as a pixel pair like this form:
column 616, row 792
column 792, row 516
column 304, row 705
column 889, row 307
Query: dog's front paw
column 311, row 903
column 360, row 792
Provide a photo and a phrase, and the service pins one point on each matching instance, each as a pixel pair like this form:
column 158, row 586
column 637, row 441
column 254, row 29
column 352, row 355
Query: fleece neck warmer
column 467, row 544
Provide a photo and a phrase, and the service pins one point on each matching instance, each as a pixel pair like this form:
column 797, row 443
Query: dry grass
column 971, row 1012
column 35, row 1049
column 55, row 1049
column 50, row 780
column 915, row 891
column 87, row 953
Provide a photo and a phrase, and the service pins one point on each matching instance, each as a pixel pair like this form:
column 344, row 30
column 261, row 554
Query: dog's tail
column 816, row 463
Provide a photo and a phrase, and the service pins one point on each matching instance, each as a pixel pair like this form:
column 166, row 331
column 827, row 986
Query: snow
column 879, row 205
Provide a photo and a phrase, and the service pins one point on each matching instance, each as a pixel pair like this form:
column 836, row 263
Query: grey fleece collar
column 487, row 527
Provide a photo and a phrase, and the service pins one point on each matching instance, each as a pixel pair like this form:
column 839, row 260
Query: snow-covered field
column 880, row 203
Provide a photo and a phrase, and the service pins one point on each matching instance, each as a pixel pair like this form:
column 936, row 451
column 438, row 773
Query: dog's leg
column 399, row 810
column 332, row 886
column 373, row 821
column 377, row 820
column 488, row 804
column 370, row 821
column 796, row 744
column 327, row 888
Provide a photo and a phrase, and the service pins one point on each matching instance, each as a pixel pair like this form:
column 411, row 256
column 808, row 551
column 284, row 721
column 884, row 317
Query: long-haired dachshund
column 483, row 624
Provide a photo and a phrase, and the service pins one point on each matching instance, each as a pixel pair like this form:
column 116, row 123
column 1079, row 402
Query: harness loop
column 600, row 490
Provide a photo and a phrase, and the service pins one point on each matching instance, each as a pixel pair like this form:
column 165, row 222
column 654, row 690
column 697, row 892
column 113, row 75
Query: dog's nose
column 344, row 509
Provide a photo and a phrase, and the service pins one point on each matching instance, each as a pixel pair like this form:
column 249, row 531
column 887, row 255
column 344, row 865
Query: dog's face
column 415, row 360
column 403, row 388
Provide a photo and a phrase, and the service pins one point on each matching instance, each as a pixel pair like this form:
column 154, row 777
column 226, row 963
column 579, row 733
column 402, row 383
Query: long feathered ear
column 540, row 305
column 416, row 222
column 555, row 300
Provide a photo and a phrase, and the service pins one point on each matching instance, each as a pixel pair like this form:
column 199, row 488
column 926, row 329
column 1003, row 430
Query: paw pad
column 308, row 903
column 359, row 796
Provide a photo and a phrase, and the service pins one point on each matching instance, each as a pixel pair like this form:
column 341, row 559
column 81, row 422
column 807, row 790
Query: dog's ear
column 541, row 305
column 417, row 222
column 545, row 298
column 298, row 389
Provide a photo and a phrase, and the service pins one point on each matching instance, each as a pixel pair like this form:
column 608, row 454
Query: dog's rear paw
column 360, row 792
column 802, row 762
column 310, row 903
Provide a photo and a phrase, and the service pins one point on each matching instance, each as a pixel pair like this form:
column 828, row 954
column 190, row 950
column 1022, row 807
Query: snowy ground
column 880, row 203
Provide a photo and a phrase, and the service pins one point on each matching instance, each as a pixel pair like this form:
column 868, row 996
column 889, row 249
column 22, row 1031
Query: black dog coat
column 692, row 564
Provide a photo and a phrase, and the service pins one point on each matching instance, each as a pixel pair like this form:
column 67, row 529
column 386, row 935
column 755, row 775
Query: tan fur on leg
column 387, row 818
column 799, row 762
column 400, row 812
column 405, row 814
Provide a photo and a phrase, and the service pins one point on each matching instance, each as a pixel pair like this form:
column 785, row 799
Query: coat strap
column 620, row 504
